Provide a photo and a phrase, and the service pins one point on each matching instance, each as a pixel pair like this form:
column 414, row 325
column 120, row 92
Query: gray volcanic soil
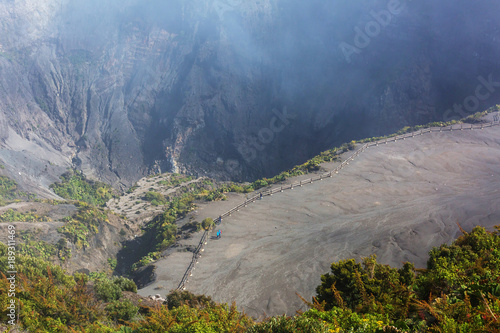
column 396, row 200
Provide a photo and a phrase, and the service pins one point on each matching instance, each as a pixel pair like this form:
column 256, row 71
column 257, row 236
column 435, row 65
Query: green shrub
column 125, row 284
column 111, row 289
column 8, row 190
column 283, row 324
column 459, row 291
column 107, row 291
column 236, row 188
column 312, row 166
column 112, row 263
column 186, row 319
column 156, row 197
column 83, row 224
column 133, row 188
column 15, row 216
column 259, row 184
column 75, row 186
column 63, row 251
column 366, row 288
column 345, row 320
column 49, row 299
column 215, row 195
column 168, row 236
column 207, row 223
column 248, row 189
column 475, row 118
column 121, row 311
column 180, row 298
column 40, row 249
column 146, row 260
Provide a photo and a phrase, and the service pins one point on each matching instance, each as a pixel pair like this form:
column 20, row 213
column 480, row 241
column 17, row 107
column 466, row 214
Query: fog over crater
column 231, row 89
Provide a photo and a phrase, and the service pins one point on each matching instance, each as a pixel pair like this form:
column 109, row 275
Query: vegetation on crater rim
column 459, row 291
column 75, row 186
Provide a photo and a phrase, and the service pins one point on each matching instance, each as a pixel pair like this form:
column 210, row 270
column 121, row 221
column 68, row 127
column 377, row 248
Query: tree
column 367, row 288
column 207, row 223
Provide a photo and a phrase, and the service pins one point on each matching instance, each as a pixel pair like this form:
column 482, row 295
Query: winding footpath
column 204, row 239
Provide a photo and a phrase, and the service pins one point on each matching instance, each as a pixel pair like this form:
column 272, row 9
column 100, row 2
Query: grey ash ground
column 396, row 200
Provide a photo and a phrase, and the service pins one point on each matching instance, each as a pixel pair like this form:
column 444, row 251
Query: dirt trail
column 396, row 200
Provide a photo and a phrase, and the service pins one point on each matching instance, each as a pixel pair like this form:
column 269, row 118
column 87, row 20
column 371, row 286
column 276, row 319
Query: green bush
column 156, row 197
column 146, row 260
column 133, row 188
column 121, row 311
column 207, row 223
column 75, row 186
column 248, row 189
column 345, row 320
column 112, row 263
column 83, row 224
column 8, row 187
column 215, row 195
column 106, row 290
column 50, row 300
column 40, row 249
column 63, row 251
column 312, row 166
column 180, row 298
column 366, row 288
column 475, row 118
column 168, row 236
column 111, row 289
column 283, row 324
column 15, row 216
column 199, row 319
column 260, row 184
column 125, row 284
column 236, row 188
column 9, row 191
column 459, row 291
column 175, row 180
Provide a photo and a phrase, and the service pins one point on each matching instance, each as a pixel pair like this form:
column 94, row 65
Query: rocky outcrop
column 230, row 89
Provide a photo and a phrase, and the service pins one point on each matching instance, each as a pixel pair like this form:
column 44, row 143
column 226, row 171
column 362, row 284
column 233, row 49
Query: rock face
column 227, row 88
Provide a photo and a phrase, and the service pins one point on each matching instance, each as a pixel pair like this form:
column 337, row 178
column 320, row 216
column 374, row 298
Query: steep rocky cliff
column 228, row 88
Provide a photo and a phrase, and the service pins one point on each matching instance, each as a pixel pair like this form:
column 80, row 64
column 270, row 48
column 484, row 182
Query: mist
column 188, row 83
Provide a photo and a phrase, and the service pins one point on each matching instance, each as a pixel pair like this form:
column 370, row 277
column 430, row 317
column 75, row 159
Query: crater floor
column 396, row 200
